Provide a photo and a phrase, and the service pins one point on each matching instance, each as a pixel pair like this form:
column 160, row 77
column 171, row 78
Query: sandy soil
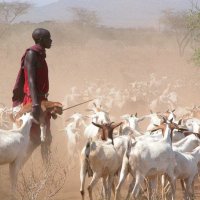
column 119, row 62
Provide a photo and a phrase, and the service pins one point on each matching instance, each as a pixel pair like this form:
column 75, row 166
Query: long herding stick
column 77, row 104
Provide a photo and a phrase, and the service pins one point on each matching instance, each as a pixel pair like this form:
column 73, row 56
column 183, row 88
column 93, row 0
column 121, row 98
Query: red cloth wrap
column 42, row 80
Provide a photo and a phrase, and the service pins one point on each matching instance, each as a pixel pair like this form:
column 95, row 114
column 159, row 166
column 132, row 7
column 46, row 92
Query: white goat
column 154, row 119
column 187, row 144
column 131, row 124
column 4, row 117
column 104, row 162
column 149, row 159
column 73, row 132
column 102, row 158
column 193, row 124
column 99, row 117
column 187, row 169
column 13, row 147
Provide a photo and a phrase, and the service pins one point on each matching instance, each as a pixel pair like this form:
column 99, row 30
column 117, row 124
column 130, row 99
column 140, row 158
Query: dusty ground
column 72, row 62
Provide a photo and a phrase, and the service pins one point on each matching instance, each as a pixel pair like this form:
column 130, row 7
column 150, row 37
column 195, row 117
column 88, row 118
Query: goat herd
column 166, row 151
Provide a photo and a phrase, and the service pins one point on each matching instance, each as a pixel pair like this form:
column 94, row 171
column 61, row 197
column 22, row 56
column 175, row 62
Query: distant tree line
column 9, row 11
column 186, row 26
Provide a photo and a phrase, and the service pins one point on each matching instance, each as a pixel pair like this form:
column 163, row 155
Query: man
column 32, row 84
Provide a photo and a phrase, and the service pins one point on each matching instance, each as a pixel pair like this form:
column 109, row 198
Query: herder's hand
column 36, row 111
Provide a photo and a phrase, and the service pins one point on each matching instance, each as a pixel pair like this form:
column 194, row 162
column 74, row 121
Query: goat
column 51, row 107
column 187, row 144
column 4, row 117
column 170, row 115
column 154, row 119
column 131, row 124
column 13, row 147
column 143, row 159
column 72, row 130
column 187, row 169
column 193, row 124
column 102, row 158
column 104, row 162
column 99, row 116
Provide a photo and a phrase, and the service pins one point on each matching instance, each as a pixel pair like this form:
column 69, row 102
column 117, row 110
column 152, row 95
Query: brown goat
column 107, row 130
column 47, row 107
column 53, row 108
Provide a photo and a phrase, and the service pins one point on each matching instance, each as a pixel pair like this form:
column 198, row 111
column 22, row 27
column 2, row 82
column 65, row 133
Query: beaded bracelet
column 36, row 105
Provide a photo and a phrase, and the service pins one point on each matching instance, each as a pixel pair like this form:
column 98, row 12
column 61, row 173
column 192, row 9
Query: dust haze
column 104, row 58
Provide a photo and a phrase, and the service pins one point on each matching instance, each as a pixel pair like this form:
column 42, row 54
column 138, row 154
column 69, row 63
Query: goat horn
column 95, row 104
column 164, row 119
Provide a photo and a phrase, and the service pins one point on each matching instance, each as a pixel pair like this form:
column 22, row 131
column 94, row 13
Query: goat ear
column 69, row 119
column 173, row 110
column 155, row 129
column 89, row 110
column 98, row 125
column 12, row 118
column 125, row 116
column 180, row 121
column 194, row 107
column 136, row 114
column 86, row 117
column 182, row 129
column 54, row 115
column 43, row 108
column 115, row 126
column 58, row 104
column 164, row 119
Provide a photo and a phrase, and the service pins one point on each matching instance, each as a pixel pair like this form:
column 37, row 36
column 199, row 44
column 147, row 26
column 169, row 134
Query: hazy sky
column 42, row 2
column 36, row 2
column 121, row 13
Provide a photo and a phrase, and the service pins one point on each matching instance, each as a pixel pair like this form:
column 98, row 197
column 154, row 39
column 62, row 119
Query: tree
column 84, row 17
column 10, row 11
column 178, row 22
column 194, row 27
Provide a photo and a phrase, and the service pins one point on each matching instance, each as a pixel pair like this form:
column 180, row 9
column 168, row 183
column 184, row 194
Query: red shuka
column 42, row 80
column 21, row 91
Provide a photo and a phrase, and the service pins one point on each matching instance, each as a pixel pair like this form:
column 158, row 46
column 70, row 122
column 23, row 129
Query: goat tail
column 87, row 149
column 130, row 144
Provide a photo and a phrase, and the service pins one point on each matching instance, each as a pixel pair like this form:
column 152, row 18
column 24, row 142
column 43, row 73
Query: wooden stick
column 77, row 104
